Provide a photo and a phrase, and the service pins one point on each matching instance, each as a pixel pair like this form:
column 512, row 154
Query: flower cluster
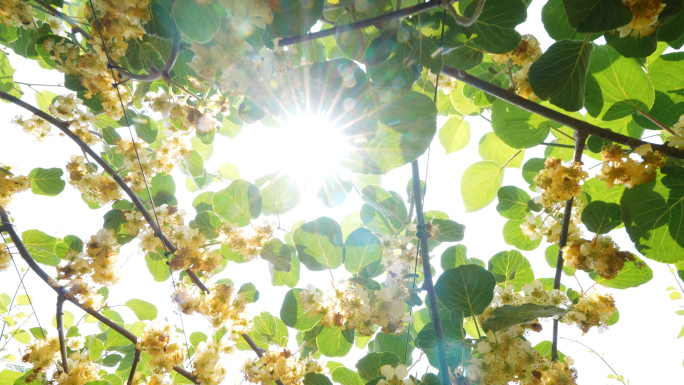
column 222, row 306
column 172, row 150
column 122, row 20
column 645, row 19
column 10, row 185
column 527, row 52
column 81, row 370
column 619, row 168
column 249, row 245
column 180, row 116
column 36, row 126
column 504, row 357
column 396, row 376
column 677, row 140
column 66, row 108
column 279, row 365
column 86, row 294
column 446, row 84
column 154, row 379
column 207, row 365
column 94, row 187
column 41, row 353
column 160, row 342
column 17, row 13
column 534, row 227
column 600, row 255
column 558, row 182
column 591, row 310
column 99, row 261
column 398, row 257
column 5, row 256
column 354, row 307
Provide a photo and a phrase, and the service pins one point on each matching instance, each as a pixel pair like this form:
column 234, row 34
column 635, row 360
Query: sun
column 308, row 147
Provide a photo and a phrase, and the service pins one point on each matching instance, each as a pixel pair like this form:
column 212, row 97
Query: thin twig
column 361, row 24
column 556, row 116
column 427, row 275
column 60, row 333
column 656, row 122
column 599, row 356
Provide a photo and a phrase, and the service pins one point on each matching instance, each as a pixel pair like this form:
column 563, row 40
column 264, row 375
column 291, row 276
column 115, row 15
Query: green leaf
column 252, row 292
column 203, row 201
column 142, row 309
column 633, row 274
column 551, row 256
column 397, row 344
column 531, row 169
column 194, row 164
column 7, row 377
column 196, row 338
column 631, row 46
column 514, row 236
column 293, row 315
column 279, row 254
column 479, row 184
column 43, row 98
column 397, row 131
column 384, row 211
column 518, row 128
column 454, row 256
column 511, row 267
column 469, row 288
column 312, row 378
column 199, row 22
column 493, row 148
column 335, row 342
column 289, row 279
column 8, row 34
column 295, row 17
column 280, row 193
column 270, row 330
column 361, row 248
column 560, row 74
column 238, row 203
column 142, row 56
column 597, row 15
column 46, row 181
column 95, row 347
column 508, row 315
column 156, row 264
column 145, row 127
column 369, row 365
column 556, row 22
column 38, row 333
column 161, row 20
column 597, row 191
column 512, row 202
column 231, row 125
column 454, row 135
column 449, row 231
column 162, row 188
column 653, row 214
column 67, row 319
column 208, row 223
column 41, row 247
column 334, row 190
column 319, row 244
column 601, row 217
column 346, row 376
column 616, row 86
column 6, row 73
column 494, row 31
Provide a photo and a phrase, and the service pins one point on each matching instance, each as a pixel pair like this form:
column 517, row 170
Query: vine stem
column 427, row 274
column 462, row 20
column 64, row 127
column 63, row 293
column 580, row 140
column 156, row 74
column 53, row 11
column 656, row 122
column 361, row 24
column 575, row 124
column 599, row 356
column 60, row 333
column 134, row 366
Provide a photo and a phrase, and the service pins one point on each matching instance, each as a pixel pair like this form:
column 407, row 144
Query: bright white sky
column 642, row 346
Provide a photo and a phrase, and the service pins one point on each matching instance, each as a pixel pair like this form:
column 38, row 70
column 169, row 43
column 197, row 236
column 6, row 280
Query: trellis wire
column 147, row 186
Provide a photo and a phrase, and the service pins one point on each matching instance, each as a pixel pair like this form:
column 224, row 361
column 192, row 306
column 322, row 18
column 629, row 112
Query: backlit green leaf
column 479, row 184
column 238, row 203
column 469, row 288
column 319, row 244
column 46, row 181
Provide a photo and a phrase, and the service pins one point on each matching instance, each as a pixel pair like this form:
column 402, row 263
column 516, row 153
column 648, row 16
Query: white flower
column 76, row 343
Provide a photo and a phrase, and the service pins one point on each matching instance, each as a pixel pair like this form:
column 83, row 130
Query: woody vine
column 147, row 83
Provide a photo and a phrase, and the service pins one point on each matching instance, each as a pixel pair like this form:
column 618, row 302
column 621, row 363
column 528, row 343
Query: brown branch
column 60, row 333
column 134, row 366
column 361, row 24
column 575, row 124
column 74, row 25
column 65, row 295
column 580, row 141
column 155, row 73
column 427, row 275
